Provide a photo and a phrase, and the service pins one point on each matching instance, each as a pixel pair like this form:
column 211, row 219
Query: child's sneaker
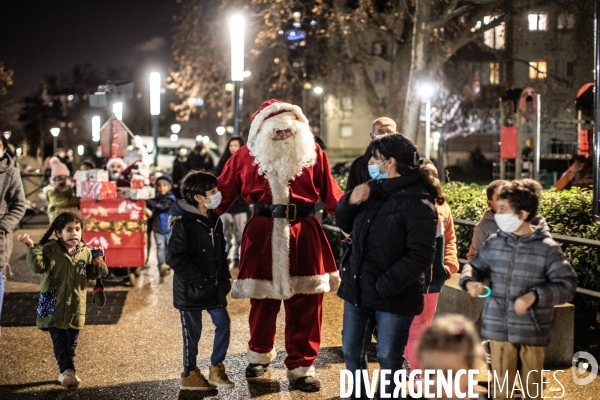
column 164, row 270
column 68, row 379
column 195, row 381
column 218, row 377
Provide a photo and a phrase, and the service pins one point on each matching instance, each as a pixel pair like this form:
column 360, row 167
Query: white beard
column 283, row 159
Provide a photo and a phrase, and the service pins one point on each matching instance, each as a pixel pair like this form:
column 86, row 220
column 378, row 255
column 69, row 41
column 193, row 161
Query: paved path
column 133, row 348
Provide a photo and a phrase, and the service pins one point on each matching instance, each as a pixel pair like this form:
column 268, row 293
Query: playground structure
column 558, row 153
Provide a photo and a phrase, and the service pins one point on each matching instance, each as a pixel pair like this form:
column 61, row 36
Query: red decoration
column 137, row 183
column 508, row 140
column 121, row 249
column 113, row 210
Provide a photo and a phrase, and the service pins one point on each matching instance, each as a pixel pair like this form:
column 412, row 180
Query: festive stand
column 119, row 226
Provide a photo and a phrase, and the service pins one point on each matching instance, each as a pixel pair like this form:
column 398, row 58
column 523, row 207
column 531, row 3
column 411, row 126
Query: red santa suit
column 281, row 258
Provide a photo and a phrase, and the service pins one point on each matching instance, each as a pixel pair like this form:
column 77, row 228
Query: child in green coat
column 66, row 264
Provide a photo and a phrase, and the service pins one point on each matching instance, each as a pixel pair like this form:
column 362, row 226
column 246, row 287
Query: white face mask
column 215, row 201
column 2, row 152
column 99, row 154
column 508, row 223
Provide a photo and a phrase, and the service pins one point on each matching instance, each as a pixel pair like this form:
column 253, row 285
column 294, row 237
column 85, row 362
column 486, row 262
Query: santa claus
column 284, row 253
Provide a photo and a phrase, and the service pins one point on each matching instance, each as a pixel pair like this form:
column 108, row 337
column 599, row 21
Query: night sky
column 42, row 37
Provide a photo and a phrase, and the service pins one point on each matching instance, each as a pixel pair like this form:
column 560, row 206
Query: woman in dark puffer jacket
column 393, row 223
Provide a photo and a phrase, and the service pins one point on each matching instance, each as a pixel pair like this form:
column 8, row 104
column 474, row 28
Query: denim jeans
column 392, row 335
column 191, row 327
column 65, row 343
column 162, row 242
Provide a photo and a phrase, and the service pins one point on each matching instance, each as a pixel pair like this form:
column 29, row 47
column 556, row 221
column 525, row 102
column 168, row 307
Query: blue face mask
column 374, row 171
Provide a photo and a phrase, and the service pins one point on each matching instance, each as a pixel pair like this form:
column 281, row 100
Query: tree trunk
column 410, row 122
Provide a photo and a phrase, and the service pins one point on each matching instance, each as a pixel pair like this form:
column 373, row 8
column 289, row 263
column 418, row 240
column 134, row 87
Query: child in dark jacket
column 160, row 206
column 196, row 253
column 528, row 275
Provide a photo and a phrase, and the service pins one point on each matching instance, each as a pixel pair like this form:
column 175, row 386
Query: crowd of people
column 400, row 248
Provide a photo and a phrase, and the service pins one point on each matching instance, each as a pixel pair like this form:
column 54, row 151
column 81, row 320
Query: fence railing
column 559, row 238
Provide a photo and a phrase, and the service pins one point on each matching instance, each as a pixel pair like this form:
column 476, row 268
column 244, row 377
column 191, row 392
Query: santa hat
column 58, row 168
column 273, row 115
column 116, row 160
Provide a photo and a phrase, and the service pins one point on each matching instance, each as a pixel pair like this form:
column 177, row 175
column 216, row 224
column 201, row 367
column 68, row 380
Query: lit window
column 494, row 73
column 538, row 21
column 346, row 103
column 345, row 130
column 380, row 49
column 494, row 37
column 537, row 70
column 566, row 21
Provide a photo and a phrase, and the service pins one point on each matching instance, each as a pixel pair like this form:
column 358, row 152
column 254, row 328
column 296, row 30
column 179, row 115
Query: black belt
column 290, row 211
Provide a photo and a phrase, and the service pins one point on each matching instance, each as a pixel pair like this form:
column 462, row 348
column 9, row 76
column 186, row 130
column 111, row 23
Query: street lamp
column 220, row 130
column 175, row 128
column 96, row 128
column 237, row 27
column 118, row 110
column 318, row 90
column 155, row 110
column 426, row 91
column 55, row 132
column 80, row 150
column 174, row 137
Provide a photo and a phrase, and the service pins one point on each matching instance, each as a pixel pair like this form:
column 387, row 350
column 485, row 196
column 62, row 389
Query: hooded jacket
column 393, row 243
column 515, row 266
column 485, row 228
column 12, row 205
column 359, row 172
column 445, row 262
column 196, row 253
column 63, row 283
column 160, row 207
column 59, row 201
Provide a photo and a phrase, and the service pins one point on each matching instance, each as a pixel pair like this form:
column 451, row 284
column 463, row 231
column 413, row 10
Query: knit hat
column 116, row 160
column 165, row 178
column 58, row 168
column 274, row 114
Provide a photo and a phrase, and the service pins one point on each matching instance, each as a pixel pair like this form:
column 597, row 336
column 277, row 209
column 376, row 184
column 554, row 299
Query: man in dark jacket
column 358, row 170
column 180, row 169
column 12, row 208
column 196, row 253
column 200, row 158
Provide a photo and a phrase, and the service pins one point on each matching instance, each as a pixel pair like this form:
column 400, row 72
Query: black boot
column 307, row 384
column 256, row 370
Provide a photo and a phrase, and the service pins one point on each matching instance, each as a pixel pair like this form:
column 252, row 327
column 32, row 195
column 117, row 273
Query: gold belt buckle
column 287, row 212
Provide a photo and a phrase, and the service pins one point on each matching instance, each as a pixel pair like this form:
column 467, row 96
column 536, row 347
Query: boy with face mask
column 60, row 194
column 528, row 275
column 196, row 254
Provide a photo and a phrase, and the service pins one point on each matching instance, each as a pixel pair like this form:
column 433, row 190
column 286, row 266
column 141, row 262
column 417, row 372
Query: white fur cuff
column 261, row 358
column 297, row 373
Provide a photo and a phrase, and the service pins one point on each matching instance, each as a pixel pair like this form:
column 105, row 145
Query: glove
column 98, row 296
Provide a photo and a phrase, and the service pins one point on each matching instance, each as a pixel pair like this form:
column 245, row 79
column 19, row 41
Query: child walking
column 66, row 264
column 160, row 219
column 528, row 275
column 59, row 194
column 486, row 226
column 196, row 253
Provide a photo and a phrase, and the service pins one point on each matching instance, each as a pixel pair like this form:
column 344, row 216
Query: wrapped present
column 123, row 193
column 115, row 226
column 122, row 249
column 99, row 175
column 142, row 194
column 82, row 176
column 137, row 183
column 113, row 210
column 98, row 190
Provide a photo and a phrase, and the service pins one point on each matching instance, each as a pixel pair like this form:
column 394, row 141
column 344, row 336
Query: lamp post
column 322, row 129
column 55, row 132
column 96, row 128
column 237, row 27
column 155, row 110
column 118, row 110
column 426, row 91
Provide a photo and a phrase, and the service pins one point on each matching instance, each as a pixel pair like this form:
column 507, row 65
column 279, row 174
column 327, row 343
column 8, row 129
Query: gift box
column 113, row 210
column 82, row 176
column 123, row 193
column 99, row 175
column 125, row 249
column 98, row 190
column 142, row 194
column 137, row 183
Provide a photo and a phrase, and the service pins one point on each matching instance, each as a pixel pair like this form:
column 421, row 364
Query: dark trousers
column 392, row 335
column 65, row 343
column 191, row 327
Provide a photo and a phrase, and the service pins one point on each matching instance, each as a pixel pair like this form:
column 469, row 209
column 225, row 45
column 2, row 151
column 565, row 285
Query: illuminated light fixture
column 175, row 128
column 118, row 110
column 80, row 150
column 199, row 138
column 318, row 89
column 229, row 87
column 174, row 137
column 55, row 132
column 96, row 128
column 205, row 139
column 237, row 26
column 155, row 93
column 247, row 74
column 221, row 130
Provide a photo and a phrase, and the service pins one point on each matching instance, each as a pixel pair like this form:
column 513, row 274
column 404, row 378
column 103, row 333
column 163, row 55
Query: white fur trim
column 261, row 358
column 257, row 123
column 263, row 289
column 297, row 373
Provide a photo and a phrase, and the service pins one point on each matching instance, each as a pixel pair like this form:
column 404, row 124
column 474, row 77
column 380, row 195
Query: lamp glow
column 96, row 128
column 175, row 128
column 80, row 149
column 425, row 90
column 155, row 93
column 118, row 110
column 199, row 138
column 55, row 132
column 237, row 27
column 174, row 137
column 205, row 139
column 318, row 90
column 220, row 130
